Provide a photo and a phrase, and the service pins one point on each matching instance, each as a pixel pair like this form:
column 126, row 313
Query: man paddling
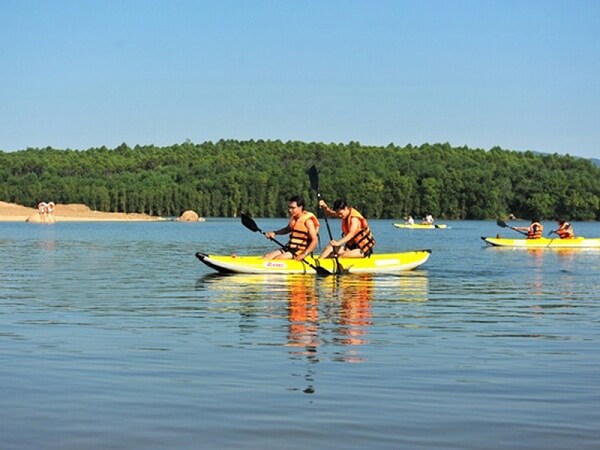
column 534, row 231
column 303, row 229
column 565, row 230
column 357, row 240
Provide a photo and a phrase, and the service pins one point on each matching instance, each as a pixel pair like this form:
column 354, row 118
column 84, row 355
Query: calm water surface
column 114, row 336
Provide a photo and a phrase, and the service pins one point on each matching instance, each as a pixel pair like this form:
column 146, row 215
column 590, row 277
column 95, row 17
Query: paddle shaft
column 326, row 221
column 313, row 175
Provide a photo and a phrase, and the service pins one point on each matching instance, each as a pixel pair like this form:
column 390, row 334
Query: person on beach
column 303, row 229
column 49, row 210
column 534, row 231
column 43, row 212
column 357, row 239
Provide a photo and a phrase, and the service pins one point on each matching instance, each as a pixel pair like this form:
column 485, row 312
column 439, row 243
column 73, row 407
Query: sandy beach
column 12, row 212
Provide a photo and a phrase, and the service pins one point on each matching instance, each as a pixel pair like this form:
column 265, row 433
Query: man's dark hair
column 298, row 199
column 340, row 203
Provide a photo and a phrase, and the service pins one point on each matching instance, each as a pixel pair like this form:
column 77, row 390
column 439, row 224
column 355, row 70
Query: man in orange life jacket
column 565, row 230
column 357, row 240
column 303, row 229
column 534, row 231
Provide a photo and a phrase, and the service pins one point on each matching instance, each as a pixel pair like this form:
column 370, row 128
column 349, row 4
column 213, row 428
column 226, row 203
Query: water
column 114, row 336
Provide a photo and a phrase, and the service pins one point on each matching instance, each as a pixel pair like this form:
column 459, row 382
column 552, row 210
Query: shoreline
column 12, row 212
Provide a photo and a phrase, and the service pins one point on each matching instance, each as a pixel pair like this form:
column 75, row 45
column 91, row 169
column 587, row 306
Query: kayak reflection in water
column 355, row 312
column 303, row 328
column 303, row 314
column 352, row 316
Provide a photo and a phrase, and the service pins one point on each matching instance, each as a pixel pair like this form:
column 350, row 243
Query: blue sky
column 523, row 75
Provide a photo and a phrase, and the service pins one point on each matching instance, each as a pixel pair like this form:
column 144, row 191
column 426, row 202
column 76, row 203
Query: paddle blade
column 322, row 271
column 339, row 269
column 501, row 223
column 313, row 175
column 249, row 223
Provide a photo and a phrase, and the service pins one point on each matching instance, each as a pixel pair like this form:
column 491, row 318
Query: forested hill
column 228, row 177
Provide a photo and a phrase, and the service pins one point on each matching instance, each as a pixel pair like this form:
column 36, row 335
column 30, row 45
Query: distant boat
column 578, row 242
column 421, row 226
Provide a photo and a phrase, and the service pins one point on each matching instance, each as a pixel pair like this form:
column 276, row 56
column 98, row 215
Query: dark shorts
column 354, row 246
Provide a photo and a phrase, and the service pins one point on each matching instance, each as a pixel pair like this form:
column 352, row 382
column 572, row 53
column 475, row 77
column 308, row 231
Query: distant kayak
column 377, row 263
column 421, row 226
column 578, row 242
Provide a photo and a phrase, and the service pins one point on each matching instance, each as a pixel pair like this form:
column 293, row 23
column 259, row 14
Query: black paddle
column 502, row 223
column 249, row 223
column 552, row 239
column 313, row 175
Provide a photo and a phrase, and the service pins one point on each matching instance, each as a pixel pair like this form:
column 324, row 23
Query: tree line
column 228, row 177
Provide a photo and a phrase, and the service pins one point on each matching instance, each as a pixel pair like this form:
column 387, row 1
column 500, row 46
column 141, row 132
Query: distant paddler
column 42, row 207
column 534, row 231
column 564, row 230
column 49, row 210
column 44, row 214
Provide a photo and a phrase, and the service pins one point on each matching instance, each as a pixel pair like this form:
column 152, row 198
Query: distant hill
column 228, row 177
column 594, row 161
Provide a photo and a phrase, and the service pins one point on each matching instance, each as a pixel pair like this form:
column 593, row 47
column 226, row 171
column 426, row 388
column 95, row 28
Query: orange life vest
column 364, row 238
column 565, row 231
column 535, row 231
column 299, row 235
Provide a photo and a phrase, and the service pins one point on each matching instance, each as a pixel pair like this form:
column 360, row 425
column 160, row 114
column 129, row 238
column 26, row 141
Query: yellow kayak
column 421, row 226
column 578, row 242
column 377, row 263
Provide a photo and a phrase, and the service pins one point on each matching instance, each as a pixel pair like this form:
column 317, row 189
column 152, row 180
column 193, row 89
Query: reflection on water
column 549, row 278
column 355, row 294
column 303, row 314
column 319, row 319
column 104, row 327
column 324, row 317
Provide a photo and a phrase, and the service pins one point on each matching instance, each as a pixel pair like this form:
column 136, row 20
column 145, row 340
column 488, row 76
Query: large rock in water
column 189, row 216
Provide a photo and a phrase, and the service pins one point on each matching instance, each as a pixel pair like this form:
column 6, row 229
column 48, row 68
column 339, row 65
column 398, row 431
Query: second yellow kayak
column 421, row 226
column 578, row 242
